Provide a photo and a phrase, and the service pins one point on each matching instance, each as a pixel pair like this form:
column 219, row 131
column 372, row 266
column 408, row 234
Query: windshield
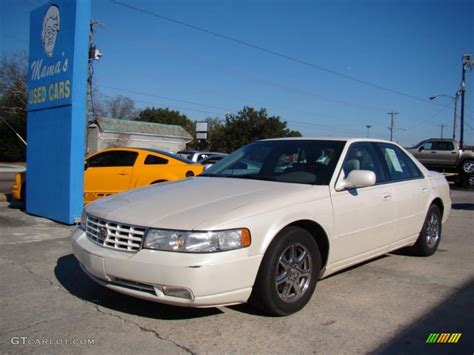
column 291, row 161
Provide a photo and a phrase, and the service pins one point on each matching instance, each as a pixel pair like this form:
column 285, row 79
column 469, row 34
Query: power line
column 269, row 51
column 173, row 106
column 164, row 97
column 315, row 125
column 249, row 77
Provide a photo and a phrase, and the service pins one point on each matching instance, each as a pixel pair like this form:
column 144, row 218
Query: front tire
column 288, row 273
column 430, row 235
column 467, row 166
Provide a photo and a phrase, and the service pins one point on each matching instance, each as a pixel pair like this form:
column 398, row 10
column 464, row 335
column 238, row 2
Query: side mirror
column 85, row 166
column 421, row 148
column 356, row 179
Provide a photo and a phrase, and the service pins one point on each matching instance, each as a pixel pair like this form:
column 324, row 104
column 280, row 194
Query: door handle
column 387, row 197
column 122, row 173
column 424, row 189
column 454, row 152
column 432, row 152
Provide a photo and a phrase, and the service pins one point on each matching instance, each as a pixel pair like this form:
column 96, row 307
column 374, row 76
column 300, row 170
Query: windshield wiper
column 254, row 177
column 216, row 175
column 209, row 175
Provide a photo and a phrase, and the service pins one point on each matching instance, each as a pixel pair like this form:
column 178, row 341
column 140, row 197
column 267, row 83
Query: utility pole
column 391, row 128
column 442, row 125
column 455, row 121
column 368, row 130
column 467, row 64
column 94, row 55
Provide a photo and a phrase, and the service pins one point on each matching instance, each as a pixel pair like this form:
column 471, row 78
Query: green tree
column 13, row 79
column 247, row 126
column 167, row 116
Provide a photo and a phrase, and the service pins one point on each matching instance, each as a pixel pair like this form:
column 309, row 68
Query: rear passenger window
column 155, row 160
column 441, row 145
column 399, row 165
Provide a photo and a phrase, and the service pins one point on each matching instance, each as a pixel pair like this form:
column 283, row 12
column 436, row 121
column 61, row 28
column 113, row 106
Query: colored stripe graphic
column 432, row 338
column 454, row 338
column 443, row 338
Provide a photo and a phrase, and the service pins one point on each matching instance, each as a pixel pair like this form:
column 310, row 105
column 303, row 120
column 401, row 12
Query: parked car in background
column 119, row 169
column 445, row 155
column 211, row 160
column 197, row 156
column 264, row 224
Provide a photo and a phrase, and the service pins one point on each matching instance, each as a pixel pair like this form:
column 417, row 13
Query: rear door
column 108, row 172
column 445, row 153
column 411, row 191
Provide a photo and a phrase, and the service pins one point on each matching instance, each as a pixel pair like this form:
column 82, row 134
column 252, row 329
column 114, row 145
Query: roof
column 112, row 125
column 337, row 139
column 151, row 150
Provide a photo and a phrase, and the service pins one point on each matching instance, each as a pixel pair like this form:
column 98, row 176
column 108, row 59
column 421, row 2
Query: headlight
column 197, row 242
column 82, row 223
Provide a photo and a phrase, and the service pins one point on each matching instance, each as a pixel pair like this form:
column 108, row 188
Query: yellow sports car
column 119, row 169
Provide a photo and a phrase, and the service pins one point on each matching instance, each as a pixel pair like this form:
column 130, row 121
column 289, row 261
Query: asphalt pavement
column 387, row 306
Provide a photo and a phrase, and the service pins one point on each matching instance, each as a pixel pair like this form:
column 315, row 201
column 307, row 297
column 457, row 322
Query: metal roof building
column 110, row 132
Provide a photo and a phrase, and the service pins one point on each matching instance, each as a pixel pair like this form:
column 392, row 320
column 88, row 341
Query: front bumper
column 214, row 279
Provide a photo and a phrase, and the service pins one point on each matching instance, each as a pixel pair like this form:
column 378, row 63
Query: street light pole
column 455, row 118
column 368, row 130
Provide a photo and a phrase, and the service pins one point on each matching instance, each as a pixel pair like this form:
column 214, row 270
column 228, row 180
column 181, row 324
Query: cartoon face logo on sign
column 49, row 32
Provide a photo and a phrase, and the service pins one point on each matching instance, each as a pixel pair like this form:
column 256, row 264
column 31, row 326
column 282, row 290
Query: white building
column 110, row 132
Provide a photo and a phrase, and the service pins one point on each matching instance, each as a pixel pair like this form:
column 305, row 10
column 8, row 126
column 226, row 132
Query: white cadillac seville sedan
column 264, row 224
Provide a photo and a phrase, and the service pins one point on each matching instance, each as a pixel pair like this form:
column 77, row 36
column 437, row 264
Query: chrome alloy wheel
column 432, row 230
column 293, row 273
column 468, row 167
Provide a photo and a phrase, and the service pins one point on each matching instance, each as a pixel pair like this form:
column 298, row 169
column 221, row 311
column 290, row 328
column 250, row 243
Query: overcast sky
column 350, row 62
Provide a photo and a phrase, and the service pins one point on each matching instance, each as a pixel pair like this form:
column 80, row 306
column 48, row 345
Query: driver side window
column 362, row 156
column 428, row 146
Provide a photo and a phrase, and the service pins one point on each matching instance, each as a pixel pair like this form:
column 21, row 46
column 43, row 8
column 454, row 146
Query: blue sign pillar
column 57, row 86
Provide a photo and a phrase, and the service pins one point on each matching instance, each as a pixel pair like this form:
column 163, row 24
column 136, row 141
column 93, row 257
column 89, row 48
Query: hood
column 187, row 203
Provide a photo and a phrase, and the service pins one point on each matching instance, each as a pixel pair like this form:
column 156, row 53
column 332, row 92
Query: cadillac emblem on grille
column 102, row 234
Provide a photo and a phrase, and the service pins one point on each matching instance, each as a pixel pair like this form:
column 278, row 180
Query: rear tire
column 430, row 235
column 288, row 274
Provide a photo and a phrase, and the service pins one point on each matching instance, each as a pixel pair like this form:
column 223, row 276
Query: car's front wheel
column 430, row 235
column 468, row 166
column 288, row 273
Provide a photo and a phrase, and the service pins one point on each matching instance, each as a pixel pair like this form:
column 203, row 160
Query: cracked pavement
column 388, row 305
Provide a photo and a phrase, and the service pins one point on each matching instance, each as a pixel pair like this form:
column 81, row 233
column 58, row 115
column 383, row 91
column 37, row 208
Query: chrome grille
column 114, row 235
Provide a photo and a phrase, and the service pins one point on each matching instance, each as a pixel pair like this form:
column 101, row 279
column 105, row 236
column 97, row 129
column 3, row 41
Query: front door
column 363, row 218
column 107, row 173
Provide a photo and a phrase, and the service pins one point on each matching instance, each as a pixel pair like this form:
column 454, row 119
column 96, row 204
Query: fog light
column 177, row 292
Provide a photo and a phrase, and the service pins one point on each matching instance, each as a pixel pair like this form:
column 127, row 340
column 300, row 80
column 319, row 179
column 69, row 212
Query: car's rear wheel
column 430, row 235
column 288, row 273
